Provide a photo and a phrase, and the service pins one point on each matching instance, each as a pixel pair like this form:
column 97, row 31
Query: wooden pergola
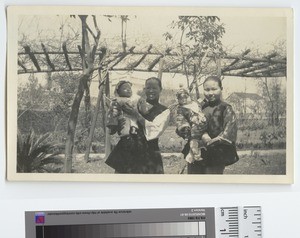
column 43, row 60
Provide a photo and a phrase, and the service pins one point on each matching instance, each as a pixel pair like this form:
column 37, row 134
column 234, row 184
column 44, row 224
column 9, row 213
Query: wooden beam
column 48, row 70
column 32, row 57
column 22, row 66
column 254, row 68
column 82, row 55
column 122, row 56
column 154, row 62
column 234, row 57
column 271, row 55
column 256, row 59
column 242, row 66
column 107, row 132
column 138, row 70
column 236, row 60
column 137, row 63
column 255, row 75
column 48, row 58
column 160, row 69
column 219, row 67
column 65, row 52
column 270, row 70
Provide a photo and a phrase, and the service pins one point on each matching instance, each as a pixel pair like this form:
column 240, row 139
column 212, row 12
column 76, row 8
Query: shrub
column 34, row 154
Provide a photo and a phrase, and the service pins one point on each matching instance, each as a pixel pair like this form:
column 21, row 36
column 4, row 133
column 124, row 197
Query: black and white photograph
column 150, row 94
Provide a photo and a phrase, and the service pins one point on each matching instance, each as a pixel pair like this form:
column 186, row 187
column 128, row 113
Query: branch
column 183, row 58
column 86, row 48
column 96, row 38
column 92, row 33
column 96, row 27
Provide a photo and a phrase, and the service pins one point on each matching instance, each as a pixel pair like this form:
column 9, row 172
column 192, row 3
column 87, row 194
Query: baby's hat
column 119, row 84
column 182, row 91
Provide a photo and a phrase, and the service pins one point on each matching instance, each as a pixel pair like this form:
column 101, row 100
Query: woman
column 221, row 132
column 152, row 123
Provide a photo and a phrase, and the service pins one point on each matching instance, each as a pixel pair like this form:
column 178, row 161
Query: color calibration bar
column 169, row 229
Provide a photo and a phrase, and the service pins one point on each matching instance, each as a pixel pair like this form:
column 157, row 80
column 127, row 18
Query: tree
column 200, row 36
column 273, row 90
column 275, row 98
column 87, row 53
column 31, row 96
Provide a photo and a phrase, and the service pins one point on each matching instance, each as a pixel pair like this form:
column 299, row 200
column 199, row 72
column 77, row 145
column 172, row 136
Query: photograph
column 150, row 94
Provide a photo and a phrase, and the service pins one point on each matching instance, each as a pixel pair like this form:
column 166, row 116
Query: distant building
column 247, row 105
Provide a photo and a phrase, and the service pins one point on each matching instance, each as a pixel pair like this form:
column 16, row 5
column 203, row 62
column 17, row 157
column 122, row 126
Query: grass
column 262, row 162
column 258, row 162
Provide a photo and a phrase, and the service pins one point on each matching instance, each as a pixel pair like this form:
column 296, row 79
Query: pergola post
column 219, row 67
column 107, row 135
column 160, row 68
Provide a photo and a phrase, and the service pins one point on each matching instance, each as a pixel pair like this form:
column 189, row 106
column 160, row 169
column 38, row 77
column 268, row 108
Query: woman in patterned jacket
column 221, row 132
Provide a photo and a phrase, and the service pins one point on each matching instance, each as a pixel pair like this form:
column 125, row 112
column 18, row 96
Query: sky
column 241, row 33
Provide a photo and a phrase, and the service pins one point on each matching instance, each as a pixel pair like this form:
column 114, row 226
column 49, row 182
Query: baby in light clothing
column 123, row 95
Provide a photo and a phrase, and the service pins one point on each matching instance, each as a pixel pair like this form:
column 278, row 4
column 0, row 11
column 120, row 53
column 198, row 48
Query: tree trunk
column 87, row 103
column 196, row 82
column 88, row 56
column 72, row 122
column 94, row 120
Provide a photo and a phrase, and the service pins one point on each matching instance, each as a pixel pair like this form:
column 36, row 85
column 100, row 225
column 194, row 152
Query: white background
column 280, row 203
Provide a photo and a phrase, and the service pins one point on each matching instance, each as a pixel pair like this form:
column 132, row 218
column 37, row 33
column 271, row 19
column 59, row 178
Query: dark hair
column 214, row 78
column 120, row 83
column 154, row 78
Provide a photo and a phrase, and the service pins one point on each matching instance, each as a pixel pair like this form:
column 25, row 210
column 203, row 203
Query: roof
column 251, row 96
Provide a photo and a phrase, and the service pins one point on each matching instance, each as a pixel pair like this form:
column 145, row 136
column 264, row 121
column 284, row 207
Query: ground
column 259, row 161
column 262, row 162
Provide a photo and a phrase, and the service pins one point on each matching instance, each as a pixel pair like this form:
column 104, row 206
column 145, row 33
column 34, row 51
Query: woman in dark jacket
column 221, row 133
column 131, row 156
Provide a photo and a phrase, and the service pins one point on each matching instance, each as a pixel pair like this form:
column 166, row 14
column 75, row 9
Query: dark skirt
column 215, row 158
column 133, row 154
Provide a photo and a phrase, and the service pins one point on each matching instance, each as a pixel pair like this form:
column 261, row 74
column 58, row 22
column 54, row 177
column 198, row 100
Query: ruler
column 238, row 222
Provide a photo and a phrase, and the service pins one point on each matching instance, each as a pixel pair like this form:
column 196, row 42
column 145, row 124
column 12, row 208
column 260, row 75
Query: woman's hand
column 214, row 140
column 130, row 110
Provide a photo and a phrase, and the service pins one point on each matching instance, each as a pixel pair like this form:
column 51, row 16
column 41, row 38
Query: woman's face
column 212, row 90
column 152, row 90
column 125, row 90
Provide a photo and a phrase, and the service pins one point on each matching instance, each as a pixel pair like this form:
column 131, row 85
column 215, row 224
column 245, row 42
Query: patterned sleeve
column 230, row 125
column 154, row 129
column 181, row 120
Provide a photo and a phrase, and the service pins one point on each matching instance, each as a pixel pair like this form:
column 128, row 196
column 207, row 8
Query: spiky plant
column 34, row 153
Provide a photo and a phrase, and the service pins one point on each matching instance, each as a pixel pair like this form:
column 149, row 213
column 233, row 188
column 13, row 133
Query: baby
column 191, row 118
column 123, row 95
